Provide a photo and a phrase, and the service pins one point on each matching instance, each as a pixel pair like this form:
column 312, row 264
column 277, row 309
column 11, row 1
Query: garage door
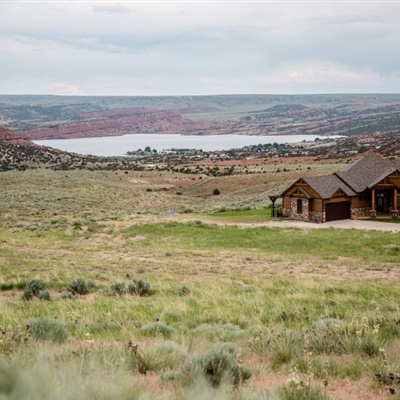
column 335, row 211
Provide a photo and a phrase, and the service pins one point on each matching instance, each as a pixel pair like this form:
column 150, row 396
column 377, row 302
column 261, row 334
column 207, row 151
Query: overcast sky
column 199, row 47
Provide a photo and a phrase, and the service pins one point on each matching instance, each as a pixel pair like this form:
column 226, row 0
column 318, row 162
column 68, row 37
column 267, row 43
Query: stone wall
column 360, row 212
column 317, row 216
column 304, row 216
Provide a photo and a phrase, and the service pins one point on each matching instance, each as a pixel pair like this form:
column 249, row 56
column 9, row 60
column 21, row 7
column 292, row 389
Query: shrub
column 165, row 355
column 118, row 288
column 93, row 227
column 44, row 295
column 220, row 332
column 300, row 392
column 220, row 365
column 184, row 290
column 77, row 224
column 33, row 288
column 6, row 286
column 216, row 192
column 66, row 296
column 48, row 329
column 156, row 329
column 79, row 286
column 286, row 347
column 110, row 229
column 171, row 316
column 139, row 287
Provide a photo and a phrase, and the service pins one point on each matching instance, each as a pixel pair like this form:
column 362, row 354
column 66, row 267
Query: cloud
column 199, row 47
column 64, row 88
column 111, row 8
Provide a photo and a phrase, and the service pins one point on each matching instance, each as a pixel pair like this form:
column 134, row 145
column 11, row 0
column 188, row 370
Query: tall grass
column 325, row 301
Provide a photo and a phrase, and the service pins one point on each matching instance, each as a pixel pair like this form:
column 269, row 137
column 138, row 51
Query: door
column 380, row 203
column 336, row 211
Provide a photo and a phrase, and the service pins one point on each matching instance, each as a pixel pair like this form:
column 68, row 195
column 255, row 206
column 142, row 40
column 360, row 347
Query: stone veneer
column 317, row 216
column 293, row 209
column 360, row 212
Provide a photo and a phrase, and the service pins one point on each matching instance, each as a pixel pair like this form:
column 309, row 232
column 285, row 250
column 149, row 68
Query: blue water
column 119, row 145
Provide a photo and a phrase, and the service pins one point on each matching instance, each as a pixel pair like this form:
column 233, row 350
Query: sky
column 187, row 47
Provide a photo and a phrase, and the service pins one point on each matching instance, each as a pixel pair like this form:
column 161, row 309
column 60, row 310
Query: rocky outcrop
column 8, row 136
column 72, row 117
column 120, row 122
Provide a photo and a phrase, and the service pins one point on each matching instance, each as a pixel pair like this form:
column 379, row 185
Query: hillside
column 10, row 137
column 45, row 117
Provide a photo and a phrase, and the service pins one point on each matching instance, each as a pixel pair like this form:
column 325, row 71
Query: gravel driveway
column 341, row 224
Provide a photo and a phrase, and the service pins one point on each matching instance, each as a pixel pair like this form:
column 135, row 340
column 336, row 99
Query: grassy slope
column 42, row 194
column 256, row 287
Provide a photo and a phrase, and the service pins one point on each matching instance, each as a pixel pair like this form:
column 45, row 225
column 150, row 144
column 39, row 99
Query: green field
column 145, row 305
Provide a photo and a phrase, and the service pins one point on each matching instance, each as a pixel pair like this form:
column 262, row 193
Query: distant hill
column 10, row 137
column 45, row 117
column 19, row 153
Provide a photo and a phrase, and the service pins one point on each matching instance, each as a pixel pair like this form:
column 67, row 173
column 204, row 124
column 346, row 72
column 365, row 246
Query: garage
column 335, row 211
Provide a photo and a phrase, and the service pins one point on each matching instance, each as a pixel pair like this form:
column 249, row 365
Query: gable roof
column 352, row 179
column 390, row 171
column 327, row 185
column 363, row 173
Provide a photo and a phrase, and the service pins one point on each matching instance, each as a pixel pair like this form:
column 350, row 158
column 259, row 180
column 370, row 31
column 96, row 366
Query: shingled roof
column 327, row 185
column 363, row 173
column 352, row 179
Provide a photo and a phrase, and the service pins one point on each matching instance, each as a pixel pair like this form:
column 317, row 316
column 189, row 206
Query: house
column 369, row 187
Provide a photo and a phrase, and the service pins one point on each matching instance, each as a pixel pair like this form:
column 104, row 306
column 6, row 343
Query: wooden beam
column 395, row 200
column 373, row 200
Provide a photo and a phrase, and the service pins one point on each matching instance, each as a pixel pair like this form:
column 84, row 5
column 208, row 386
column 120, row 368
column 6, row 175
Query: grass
column 390, row 220
column 306, row 311
column 242, row 216
column 43, row 198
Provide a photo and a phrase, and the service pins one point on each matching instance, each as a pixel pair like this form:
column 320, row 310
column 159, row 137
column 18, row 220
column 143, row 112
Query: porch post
column 395, row 211
column 373, row 210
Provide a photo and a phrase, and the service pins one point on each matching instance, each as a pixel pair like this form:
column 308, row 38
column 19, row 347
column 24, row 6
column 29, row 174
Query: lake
column 119, row 145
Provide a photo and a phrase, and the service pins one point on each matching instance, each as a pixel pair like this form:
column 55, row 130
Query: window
column 299, row 206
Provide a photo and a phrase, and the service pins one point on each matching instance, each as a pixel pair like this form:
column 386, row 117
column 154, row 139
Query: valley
column 164, row 275
column 50, row 117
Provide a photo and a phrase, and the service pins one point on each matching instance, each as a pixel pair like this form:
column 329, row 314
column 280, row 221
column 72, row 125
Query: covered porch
column 385, row 202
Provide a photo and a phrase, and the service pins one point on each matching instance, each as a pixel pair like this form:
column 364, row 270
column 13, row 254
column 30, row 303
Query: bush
column 6, row 286
column 184, row 290
column 44, row 295
column 165, row 355
column 33, row 288
column 299, row 390
column 139, row 287
column 93, row 227
column 302, row 393
column 216, row 192
column 77, row 224
column 79, row 286
column 156, row 329
column 66, row 296
column 220, row 365
column 220, row 332
column 118, row 288
column 48, row 329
